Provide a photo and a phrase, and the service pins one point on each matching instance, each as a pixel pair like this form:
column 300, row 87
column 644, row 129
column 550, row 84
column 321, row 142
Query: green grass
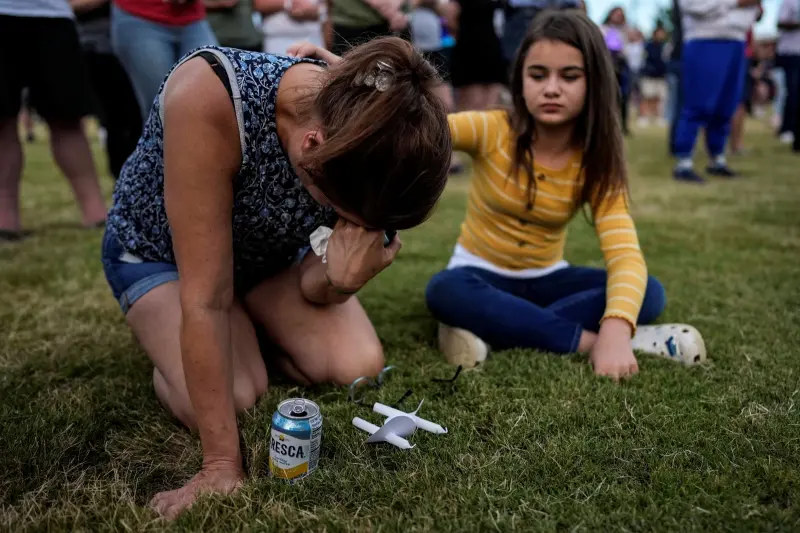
column 536, row 442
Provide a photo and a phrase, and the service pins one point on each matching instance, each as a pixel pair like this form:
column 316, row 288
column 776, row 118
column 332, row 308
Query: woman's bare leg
column 333, row 343
column 156, row 321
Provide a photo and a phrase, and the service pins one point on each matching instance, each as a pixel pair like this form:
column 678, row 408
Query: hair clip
column 380, row 77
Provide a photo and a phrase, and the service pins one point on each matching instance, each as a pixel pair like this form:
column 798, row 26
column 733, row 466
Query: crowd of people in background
column 107, row 59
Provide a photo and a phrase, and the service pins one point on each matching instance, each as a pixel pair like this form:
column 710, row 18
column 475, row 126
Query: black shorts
column 43, row 55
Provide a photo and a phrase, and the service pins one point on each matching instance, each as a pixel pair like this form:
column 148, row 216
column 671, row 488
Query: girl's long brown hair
column 598, row 131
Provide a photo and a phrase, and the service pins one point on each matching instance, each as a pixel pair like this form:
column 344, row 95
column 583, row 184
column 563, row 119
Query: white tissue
column 319, row 241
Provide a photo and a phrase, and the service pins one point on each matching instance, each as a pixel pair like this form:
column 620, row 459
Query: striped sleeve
column 627, row 271
column 474, row 132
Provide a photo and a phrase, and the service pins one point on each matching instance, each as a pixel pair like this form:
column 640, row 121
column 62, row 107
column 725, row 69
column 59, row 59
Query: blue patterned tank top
column 273, row 214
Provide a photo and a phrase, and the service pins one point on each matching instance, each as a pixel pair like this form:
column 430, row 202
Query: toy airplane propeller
column 397, row 427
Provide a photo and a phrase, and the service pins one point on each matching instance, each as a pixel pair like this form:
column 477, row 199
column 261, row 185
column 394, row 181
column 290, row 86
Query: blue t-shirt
column 273, row 213
column 654, row 64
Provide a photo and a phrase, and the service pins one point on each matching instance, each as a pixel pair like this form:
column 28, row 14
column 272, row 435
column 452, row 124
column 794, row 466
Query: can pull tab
column 299, row 408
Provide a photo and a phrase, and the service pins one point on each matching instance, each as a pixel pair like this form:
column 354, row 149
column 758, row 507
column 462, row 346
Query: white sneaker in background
column 643, row 122
column 661, row 122
column 786, row 137
column 679, row 342
column 460, row 347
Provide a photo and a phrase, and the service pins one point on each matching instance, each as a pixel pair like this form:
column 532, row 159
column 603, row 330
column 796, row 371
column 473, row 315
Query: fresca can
column 296, row 438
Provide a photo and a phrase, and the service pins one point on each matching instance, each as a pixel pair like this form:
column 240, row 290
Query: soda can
column 295, row 440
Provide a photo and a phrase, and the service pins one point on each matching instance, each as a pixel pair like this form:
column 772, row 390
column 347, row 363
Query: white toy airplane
column 398, row 426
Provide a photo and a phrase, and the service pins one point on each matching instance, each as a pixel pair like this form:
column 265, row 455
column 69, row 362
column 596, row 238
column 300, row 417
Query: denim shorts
column 129, row 277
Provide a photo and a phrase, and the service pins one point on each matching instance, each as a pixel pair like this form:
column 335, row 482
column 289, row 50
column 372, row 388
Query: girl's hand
column 355, row 255
column 612, row 354
column 312, row 51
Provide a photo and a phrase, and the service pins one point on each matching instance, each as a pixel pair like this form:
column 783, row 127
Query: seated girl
column 558, row 150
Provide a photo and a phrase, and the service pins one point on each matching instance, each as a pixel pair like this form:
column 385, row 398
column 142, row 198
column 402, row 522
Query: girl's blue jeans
column 547, row 313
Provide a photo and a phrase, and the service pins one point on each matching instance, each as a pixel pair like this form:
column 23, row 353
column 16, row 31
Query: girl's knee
column 655, row 301
column 440, row 290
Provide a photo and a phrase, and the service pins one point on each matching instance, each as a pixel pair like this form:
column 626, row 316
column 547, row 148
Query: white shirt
column 36, row 8
column 716, row 19
column 789, row 40
column 462, row 258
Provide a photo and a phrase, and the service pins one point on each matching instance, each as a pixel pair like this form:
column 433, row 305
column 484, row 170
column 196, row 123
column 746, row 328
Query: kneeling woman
column 243, row 156
column 558, row 151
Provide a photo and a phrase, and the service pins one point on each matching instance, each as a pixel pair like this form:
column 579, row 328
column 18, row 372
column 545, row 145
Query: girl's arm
column 627, row 270
column 201, row 156
column 612, row 354
column 476, row 132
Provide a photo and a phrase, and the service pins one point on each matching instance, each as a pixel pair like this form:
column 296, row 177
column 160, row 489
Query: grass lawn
column 536, row 442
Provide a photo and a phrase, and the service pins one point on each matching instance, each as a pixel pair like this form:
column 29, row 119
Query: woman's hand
column 612, row 354
column 222, row 478
column 312, row 51
column 355, row 255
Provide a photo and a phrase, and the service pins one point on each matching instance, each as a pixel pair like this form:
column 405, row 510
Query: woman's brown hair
column 385, row 153
column 598, row 131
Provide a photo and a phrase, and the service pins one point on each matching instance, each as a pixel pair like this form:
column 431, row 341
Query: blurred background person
column 233, row 25
column 117, row 108
column 287, row 22
column 355, row 22
column 433, row 32
column 712, row 76
column 618, row 34
column 479, row 69
column 149, row 36
column 674, row 53
column 518, row 15
column 654, row 80
column 41, row 52
column 789, row 60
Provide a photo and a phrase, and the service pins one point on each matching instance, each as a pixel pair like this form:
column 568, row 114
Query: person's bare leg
column 72, row 154
column 737, row 129
column 10, row 174
column 445, row 93
column 322, row 344
column 156, row 320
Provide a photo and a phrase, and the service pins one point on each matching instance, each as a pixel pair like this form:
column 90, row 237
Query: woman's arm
column 355, row 255
column 201, row 156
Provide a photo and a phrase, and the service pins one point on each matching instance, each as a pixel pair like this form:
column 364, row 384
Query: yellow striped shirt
column 502, row 230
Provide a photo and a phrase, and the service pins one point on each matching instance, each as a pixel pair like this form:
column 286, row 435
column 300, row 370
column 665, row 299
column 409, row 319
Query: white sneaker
column 786, row 137
column 679, row 342
column 460, row 347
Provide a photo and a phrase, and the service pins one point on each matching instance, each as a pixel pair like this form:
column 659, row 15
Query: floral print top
column 273, row 214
